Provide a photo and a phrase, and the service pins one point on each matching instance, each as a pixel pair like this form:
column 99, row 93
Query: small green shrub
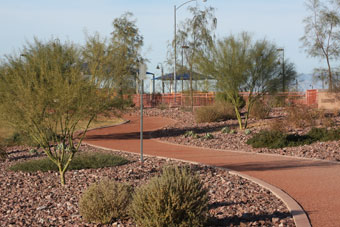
column 176, row 198
column 105, row 201
column 208, row 136
column 260, row 110
column 225, row 129
column 80, row 161
column 191, row 134
column 322, row 134
column 277, row 139
column 215, row 113
column 247, row 131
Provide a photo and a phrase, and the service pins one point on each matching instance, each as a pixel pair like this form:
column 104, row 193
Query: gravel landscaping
column 185, row 122
column 37, row 199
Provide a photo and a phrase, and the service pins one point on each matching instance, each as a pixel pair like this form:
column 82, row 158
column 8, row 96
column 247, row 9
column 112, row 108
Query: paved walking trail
column 315, row 185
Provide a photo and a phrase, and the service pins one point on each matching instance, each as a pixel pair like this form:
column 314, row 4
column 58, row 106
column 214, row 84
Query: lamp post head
column 280, row 49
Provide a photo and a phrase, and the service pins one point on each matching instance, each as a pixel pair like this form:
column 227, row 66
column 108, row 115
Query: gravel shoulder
column 37, row 199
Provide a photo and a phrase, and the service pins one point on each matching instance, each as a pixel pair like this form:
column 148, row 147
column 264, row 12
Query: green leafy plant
column 191, row 134
column 233, row 131
column 81, row 161
column 104, row 201
column 247, row 131
column 208, row 136
column 225, row 129
column 176, row 198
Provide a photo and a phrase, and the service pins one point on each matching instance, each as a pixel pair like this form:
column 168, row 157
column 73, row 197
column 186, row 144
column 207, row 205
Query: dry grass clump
column 176, row 198
column 218, row 112
column 260, row 110
column 303, row 116
column 105, row 201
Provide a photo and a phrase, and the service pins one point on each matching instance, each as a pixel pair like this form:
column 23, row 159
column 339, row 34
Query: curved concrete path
column 315, row 185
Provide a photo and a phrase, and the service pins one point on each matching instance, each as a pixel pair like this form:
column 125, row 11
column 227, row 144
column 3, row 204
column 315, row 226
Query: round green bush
column 176, row 198
column 104, row 201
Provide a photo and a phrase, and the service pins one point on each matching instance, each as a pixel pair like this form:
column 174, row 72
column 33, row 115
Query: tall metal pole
column 141, row 121
column 175, row 45
column 283, row 70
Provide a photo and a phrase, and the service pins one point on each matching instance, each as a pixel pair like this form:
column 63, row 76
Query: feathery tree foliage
column 45, row 94
column 124, row 51
column 114, row 61
column 239, row 64
column 197, row 34
column 322, row 33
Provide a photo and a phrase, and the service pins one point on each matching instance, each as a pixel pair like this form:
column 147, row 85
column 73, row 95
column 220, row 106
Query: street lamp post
column 175, row 36
column 283, row 69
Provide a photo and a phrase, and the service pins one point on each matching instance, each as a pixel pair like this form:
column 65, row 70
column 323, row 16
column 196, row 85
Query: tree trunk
column 62, row 176
column 238, row 115
column 330, row 85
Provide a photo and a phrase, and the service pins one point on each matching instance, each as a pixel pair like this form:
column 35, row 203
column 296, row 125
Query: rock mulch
column 37, row 199
column 185, row 122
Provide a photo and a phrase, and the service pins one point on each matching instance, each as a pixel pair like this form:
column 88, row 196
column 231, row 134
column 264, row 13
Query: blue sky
column 279, row 21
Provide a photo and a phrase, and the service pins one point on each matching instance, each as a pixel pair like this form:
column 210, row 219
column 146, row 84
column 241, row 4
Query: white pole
column 175, row 45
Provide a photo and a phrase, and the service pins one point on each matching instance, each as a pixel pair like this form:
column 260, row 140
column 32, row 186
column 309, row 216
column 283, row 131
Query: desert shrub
column 217, row 112
column 277, row 139
column 225, row 129
column 301, row 116
column 104, row 201
column 322, row 134
column 191, row 134
column 208, row 136
column 176, row 198
column 81, row 161
column 277, row 125
column 260, row 110
column 277, row 101
column 247, row 131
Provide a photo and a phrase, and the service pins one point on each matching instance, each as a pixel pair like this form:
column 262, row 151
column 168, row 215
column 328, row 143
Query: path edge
column 299, row 215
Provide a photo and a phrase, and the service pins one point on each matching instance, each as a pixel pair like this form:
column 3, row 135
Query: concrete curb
column 299, row 215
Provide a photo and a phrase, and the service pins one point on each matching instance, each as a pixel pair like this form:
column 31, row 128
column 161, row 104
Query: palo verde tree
column 322, row 32
column 45, row 94
column 239, row 64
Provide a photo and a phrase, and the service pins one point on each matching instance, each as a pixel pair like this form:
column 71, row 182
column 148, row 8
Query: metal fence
column 206, row 99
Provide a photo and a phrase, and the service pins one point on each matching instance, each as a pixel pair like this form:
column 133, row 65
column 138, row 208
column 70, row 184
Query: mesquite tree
column 44, row 93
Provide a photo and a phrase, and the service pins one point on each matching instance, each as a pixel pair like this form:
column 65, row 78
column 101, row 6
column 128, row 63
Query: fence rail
column 206, row 99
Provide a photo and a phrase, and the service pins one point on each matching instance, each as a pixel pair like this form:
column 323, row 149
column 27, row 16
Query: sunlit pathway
column 314, row 184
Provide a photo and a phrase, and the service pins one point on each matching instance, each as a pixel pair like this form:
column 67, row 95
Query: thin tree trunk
column 330, row 88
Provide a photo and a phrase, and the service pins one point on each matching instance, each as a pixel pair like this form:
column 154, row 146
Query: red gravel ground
column 314, row 184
